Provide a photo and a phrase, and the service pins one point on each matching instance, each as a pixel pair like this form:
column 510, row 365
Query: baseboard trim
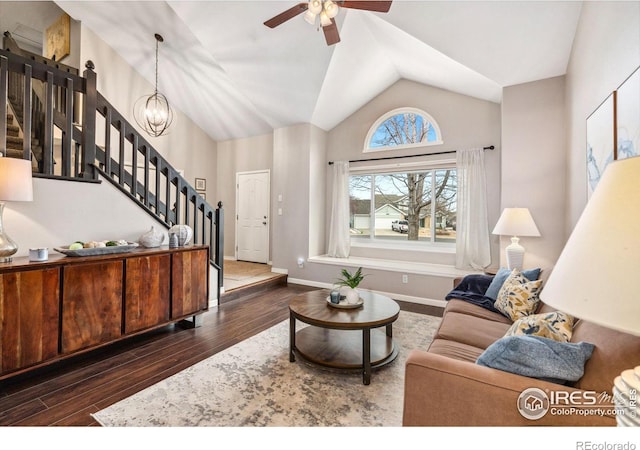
column 401, row 297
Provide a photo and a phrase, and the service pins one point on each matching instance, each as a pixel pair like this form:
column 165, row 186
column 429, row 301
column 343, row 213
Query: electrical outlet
column 405, row 278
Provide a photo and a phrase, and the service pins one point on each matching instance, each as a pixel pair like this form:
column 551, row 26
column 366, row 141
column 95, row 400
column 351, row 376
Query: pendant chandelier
column 152, row 112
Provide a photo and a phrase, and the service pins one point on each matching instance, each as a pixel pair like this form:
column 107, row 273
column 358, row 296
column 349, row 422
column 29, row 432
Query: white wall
column 186, row 146
column 534, row 164
column 290, row 179
column 239, row 155
column 465, row 122
column 606, row 50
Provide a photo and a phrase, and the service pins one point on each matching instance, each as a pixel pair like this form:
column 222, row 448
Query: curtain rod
column 491, row 147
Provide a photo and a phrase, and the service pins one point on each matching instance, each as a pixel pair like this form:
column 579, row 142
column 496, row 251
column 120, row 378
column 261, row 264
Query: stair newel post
column 89, row 122
column 4, row 86
column 219, row 243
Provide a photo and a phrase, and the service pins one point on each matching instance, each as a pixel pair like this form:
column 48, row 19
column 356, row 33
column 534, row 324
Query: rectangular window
column 410, row 206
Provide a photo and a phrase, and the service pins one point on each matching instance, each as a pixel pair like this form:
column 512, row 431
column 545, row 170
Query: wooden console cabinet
column 55, row 309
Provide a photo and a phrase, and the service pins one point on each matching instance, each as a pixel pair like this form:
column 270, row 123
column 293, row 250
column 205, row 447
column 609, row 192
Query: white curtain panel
column 473, row 250
column 339, row 239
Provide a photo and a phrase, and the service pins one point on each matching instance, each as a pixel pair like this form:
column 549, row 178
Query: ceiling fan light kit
column 326, row 11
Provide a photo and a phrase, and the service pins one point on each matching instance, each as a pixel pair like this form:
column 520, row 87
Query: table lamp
column 515, row 222
column 594, row 278
column 15, row 186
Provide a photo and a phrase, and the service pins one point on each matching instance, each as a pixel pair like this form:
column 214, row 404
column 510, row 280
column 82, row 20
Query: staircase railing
column 103, row 144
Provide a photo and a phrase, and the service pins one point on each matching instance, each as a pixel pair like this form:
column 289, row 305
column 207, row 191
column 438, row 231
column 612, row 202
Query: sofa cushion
column 455, row 350
column 470, row 330
column 554, row 325
column 615, row 351
column 502, row 275
column 518, row 297
column 464, row 307
column 538, row 357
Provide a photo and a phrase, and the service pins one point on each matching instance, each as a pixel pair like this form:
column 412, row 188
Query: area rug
column 254, row 384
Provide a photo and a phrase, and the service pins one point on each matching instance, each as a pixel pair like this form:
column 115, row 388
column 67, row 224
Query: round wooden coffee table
column 345, row 339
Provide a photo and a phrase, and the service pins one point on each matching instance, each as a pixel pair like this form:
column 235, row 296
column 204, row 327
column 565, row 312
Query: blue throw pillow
column 538, row 357
column 501, row 277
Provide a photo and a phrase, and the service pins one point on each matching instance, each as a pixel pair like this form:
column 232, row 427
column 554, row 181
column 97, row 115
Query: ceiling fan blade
column 331, row 34
column 378, row 6
column 286, row 15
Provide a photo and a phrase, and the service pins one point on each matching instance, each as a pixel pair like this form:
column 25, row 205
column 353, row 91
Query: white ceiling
column 236, row 77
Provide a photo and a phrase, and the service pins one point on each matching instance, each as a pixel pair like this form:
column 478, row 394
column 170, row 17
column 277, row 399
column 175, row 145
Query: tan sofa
column 445, row 387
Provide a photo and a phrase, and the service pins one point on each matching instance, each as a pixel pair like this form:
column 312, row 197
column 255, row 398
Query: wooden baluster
column 48, row 127
column 107, row 142
column 146, row 176
column 121, row 154
column 169, row 216
column 158, row 178
column 67, row 133
column 134, row 165
column 26, row 114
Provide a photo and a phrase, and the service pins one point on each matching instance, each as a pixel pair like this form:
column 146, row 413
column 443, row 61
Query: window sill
column 437, row 270
column 448, row 249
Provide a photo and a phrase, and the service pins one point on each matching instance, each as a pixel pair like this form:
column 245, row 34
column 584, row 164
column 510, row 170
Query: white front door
column 252, row 209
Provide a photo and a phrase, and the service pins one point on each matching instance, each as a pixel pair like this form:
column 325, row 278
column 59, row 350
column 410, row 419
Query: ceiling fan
column 324, row 11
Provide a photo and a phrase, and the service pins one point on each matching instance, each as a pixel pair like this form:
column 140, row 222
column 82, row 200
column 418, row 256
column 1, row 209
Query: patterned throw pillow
column 554, row 325
column 518, row 297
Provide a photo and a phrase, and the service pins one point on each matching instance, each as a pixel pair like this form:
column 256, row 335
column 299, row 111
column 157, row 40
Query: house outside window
column 409, row 206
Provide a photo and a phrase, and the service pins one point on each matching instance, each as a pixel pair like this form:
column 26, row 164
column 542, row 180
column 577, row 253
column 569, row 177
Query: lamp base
column 515, row 254
column 7, row 247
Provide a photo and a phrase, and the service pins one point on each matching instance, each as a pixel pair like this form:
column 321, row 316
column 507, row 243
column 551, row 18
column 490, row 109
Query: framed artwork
column 58, row 43
column 628, row 117
column 601, row 141
column 201, row 184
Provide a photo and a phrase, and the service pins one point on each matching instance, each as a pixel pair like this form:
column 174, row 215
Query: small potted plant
column 349, row 283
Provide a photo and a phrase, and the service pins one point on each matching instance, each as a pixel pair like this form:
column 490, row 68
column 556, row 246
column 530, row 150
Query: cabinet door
column 190, row 282
column 146, row 292
column 29, row 313
column 91, row 304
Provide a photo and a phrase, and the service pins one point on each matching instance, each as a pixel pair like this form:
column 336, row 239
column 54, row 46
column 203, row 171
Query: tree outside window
column 424, row 201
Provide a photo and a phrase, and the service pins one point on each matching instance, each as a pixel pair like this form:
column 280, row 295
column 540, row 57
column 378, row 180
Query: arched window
column 403, row 128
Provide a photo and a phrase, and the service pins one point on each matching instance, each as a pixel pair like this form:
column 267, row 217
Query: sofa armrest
column 442, row 391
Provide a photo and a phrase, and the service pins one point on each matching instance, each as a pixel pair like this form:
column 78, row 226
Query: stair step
column 14, row 139
column 13, row 130
column 13, row 153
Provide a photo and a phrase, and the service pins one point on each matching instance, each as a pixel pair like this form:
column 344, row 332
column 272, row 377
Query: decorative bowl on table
column 121, row 247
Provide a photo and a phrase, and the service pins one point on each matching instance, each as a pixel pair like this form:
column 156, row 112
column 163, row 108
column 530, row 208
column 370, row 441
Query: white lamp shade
column 331, row 9
column 325, row 20
column 16, row 183
column 315, row 6
column 516, row 222
column 594, row 278
column 310, row 17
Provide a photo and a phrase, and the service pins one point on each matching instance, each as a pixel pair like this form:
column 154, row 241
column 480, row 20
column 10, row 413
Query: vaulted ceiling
column 235, row 77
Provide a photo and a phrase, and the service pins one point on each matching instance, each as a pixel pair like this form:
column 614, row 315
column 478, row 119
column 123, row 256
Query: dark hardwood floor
column 67, row 393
